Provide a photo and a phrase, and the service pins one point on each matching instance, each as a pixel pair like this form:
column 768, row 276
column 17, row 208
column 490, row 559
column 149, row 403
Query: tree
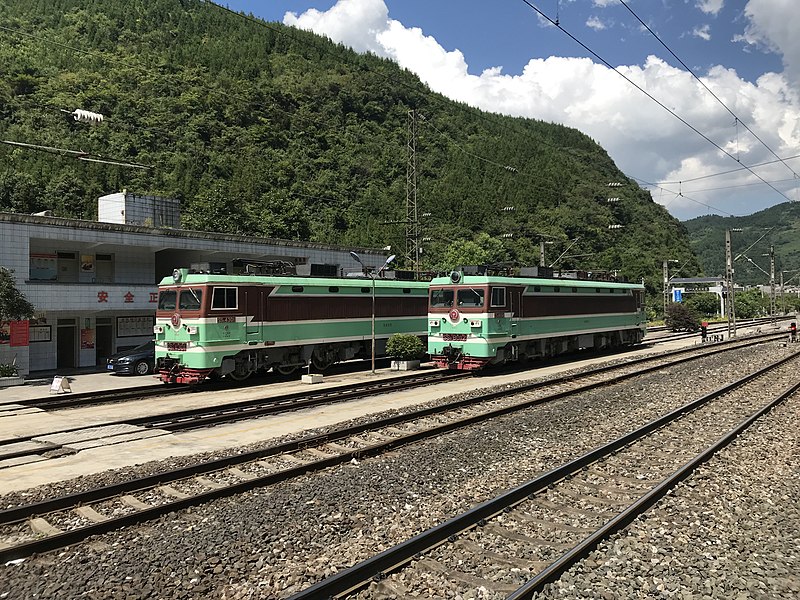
column 706, row 303
column 750, row 304
column 14, row 306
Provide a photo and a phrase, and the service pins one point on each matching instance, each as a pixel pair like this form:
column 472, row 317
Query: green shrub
column 8, row 370
column 405, row 346
column 681, row 317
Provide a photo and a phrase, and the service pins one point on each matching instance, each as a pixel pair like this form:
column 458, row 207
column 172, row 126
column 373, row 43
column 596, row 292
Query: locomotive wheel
column 239, row 373
column 286, row 369
column 321, row 364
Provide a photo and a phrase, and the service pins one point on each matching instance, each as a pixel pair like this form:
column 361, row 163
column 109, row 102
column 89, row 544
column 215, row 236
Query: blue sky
column 502, row 56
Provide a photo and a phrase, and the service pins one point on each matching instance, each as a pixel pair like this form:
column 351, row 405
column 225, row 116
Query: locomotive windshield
column 442, row 298
column 190, row 299
column 471, row 297
column 167, row 299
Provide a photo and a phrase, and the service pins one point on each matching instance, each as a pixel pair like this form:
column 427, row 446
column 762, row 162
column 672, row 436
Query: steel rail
column 375, row 568
column 625, row 518
column 234, row 411
column 60, row 540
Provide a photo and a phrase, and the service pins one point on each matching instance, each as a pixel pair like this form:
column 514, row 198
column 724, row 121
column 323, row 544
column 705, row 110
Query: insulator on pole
column 86, row 116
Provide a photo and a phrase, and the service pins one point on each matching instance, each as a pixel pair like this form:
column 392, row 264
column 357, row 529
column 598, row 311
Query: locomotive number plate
column 454, row 337
column 226, row 319
column 177, row 346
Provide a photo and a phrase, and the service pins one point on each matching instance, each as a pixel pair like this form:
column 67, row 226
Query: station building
column 94, row 284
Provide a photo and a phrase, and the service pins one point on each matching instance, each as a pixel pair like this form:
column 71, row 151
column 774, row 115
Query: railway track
column 526, row 537
column 183, row 420
column 62, row 521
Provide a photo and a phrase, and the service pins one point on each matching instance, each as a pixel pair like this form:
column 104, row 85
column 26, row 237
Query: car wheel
column 141, row 368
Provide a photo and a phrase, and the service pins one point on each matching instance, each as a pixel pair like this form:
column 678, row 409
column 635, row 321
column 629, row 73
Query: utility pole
column 730, row 310
column 541, row 253
column 772, row 282
column 666, row 282
column 783, row 300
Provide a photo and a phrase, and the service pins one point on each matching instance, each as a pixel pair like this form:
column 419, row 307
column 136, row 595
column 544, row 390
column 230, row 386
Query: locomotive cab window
column 190, row 299
column 470, row 297
column 167, row 300
column 441, row 298
column 224, row 298
column 498, row 296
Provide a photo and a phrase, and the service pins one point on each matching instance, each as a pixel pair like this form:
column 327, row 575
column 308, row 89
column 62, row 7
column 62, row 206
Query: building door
column 105, row 340
column 66, row 336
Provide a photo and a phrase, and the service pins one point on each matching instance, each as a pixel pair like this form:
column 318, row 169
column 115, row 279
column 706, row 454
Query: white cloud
column 356, row 23
column 703, row 32
column 643, row 139
column 595, row 23
column 774, row 24
column 710, row 7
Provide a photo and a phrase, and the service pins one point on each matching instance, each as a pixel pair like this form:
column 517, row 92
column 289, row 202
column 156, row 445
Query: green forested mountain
column 262, row 129
column 777, row 226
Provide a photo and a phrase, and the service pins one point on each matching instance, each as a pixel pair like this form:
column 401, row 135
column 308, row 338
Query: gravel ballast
column 272, row 542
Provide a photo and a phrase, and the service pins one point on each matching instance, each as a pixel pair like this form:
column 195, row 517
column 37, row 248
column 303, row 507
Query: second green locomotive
column 476, row 320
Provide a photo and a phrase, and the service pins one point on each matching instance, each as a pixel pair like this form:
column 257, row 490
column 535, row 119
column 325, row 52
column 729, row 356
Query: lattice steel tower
column 412, row 220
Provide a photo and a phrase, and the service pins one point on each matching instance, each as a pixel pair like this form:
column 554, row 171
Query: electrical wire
column 648, row 94
column 690, row 71
column 681, row 195
column 769, row 162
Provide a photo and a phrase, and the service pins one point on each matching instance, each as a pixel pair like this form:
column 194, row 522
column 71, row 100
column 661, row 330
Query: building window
column 104, row 268
column 67, row 267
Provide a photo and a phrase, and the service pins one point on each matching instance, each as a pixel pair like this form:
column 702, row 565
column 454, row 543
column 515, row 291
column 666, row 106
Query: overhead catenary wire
column 680, row 195
column 737, row 121
column 648, row 94
column 80, row 155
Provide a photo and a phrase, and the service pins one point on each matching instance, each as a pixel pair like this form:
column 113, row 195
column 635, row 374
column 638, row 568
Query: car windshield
column 145, row 347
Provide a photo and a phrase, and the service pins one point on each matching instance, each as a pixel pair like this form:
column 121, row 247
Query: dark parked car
column 140, row 360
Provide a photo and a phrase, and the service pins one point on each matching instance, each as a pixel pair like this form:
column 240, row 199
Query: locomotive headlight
column 176, row 275
column 474, row 323
column 158, row 329
column 191, row 329
column 434, row 322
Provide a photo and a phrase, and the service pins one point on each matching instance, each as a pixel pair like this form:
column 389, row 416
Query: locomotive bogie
column 477, row 321
column 236, row 326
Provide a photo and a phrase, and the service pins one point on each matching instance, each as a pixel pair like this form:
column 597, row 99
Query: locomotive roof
column 209, row 278
column 540, row 281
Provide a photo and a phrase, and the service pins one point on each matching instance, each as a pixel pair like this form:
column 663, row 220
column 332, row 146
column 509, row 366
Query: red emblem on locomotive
column 176, row 320
column 454, row 315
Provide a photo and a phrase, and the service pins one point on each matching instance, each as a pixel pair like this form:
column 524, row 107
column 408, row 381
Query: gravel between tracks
column 274, row 541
